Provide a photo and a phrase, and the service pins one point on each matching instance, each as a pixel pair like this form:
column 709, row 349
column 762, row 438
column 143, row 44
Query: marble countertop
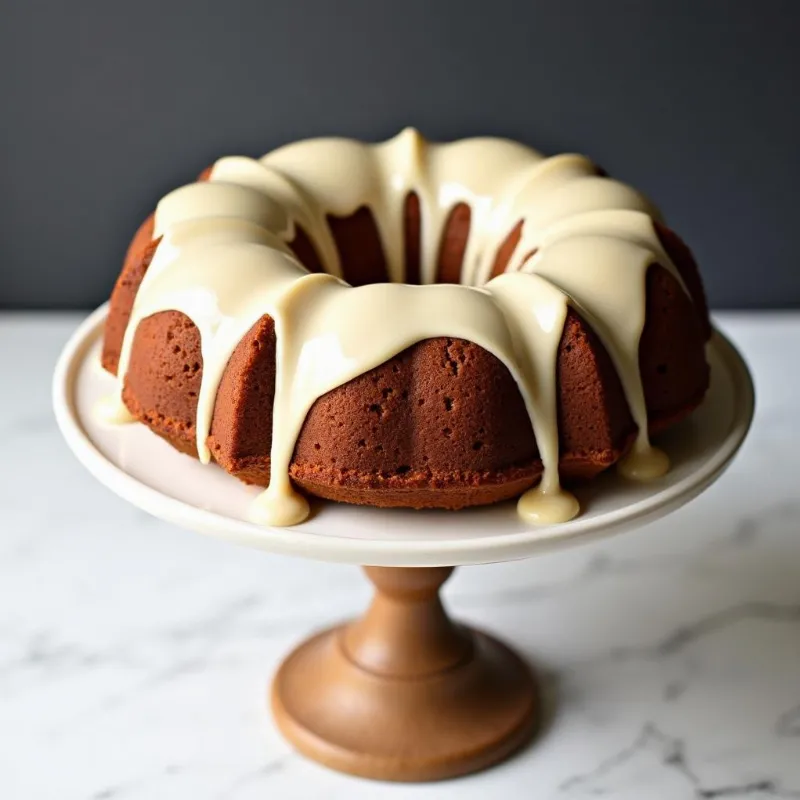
column 135, row 657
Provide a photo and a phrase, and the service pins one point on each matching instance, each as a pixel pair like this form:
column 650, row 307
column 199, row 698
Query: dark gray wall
column 106, row 105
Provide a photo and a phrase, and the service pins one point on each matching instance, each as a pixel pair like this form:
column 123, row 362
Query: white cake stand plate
column 403, row 693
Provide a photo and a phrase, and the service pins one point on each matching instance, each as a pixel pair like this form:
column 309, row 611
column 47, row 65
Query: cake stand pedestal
column 404, row 693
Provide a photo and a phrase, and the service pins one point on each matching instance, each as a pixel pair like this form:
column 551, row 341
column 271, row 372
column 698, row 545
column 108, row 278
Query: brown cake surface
column 443, row 423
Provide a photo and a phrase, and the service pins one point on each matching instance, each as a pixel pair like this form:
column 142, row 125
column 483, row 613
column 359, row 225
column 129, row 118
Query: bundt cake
column 409, row 324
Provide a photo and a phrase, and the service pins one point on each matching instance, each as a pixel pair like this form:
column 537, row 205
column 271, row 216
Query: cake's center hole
column 363, row 257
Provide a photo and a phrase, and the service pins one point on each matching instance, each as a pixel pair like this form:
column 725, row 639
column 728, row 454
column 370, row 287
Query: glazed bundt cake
column 409, row 324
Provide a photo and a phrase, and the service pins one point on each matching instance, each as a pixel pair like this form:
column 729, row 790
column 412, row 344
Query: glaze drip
column 224, row 261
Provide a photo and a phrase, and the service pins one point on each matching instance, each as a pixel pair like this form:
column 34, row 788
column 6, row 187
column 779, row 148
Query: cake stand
column 404, row 693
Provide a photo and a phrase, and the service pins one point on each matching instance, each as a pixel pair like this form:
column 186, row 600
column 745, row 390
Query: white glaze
column 224, row 262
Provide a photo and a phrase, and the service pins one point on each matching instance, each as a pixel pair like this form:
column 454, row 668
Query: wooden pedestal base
column 405, row 694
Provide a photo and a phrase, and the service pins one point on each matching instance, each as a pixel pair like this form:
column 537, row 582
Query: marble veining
column 134, row 657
